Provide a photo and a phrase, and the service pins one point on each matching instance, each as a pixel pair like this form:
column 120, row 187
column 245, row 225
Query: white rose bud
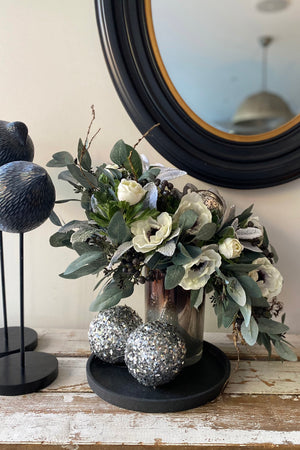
column 130, row 191
column 231, row 248
column 150, row 233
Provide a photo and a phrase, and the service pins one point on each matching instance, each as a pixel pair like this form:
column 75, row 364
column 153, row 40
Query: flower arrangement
column 137, row 219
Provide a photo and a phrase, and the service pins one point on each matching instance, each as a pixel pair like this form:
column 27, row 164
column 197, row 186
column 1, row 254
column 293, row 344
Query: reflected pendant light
column 264, row 110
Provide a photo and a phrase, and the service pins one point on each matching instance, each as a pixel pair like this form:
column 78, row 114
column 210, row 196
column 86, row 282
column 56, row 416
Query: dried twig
column 146, row 134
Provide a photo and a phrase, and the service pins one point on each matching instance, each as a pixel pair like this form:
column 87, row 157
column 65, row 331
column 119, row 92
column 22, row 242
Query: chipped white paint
column 75, row 343
column 68, row 414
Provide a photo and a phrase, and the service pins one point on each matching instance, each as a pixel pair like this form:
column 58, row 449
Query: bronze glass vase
column 174, row 306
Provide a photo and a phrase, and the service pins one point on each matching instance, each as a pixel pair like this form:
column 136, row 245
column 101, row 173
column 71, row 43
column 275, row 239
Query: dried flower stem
column 146, row 134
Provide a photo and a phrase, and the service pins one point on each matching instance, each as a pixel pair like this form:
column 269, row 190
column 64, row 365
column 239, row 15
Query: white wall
column 52, row 70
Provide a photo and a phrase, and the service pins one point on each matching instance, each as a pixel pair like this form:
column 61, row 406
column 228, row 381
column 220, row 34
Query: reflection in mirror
column 237, row 66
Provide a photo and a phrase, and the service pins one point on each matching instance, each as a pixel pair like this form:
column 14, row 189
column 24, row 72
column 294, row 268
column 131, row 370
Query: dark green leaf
column 55, row 219
column 245, row 214
column 173, row 276
column 136, row 162
column 275, row 256
column 119, row 153
column 187, row 219
column 227, row 232
column 117, row 230
column 66, row 176
column 265, row 238
column 83, row 156
column 265, row 340
column 67, row 200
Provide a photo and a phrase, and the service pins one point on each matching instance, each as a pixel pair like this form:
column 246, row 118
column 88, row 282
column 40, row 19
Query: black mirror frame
column 142, row 89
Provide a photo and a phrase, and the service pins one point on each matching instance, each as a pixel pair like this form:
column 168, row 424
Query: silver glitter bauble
column 109, row 331
column 213, row 201
column 154, row 353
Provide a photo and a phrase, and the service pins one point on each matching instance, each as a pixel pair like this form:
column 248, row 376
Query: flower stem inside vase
column 174, row 306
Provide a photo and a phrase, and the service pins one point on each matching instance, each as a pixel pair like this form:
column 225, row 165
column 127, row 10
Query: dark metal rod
column 22, row 342
column 3, row 291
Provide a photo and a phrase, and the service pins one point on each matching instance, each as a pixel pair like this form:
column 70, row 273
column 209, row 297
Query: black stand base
column 39, row 371
column 12, row 345
column 194, row 386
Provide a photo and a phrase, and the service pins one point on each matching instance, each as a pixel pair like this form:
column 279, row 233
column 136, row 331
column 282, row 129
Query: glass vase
column 174, row 306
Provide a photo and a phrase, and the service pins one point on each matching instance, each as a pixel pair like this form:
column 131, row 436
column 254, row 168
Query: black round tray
column 194, row 386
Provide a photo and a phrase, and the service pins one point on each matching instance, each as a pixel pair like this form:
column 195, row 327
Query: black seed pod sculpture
column 15, row 143
column 27, row 196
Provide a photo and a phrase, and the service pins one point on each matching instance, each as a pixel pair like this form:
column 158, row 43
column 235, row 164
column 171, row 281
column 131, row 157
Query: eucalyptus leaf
column 117, row 229
column 197, row 297
column 110, row 296
column 240, row 269
column 271, row 326
column 60, row 239
column 206, row 232
column 236, row 291
column 250, row 286
column 173, row 276
column 84, row 261
column 284, row 351
column 74, row 224
column 246, row 311
column 60, row 159
column 66, row 176
column 250, row 332
column 227, row 232
column 150, row 174
column 187, row 219
column 230, row 313
column 85, row 178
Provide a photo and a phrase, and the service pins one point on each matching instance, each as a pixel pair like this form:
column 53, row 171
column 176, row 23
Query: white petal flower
column 130, row 191
column 268, row 278
column 199, row 270
column 193, row 201
column 150, row 233
column 231, row 248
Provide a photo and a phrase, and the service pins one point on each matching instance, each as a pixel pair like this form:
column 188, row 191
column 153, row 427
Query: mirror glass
column 221, row 67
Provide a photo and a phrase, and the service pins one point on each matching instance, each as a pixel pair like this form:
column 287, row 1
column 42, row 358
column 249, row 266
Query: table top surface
column 259, row 408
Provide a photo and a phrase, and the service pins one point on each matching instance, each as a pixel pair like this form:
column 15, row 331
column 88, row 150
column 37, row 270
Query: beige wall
column 51, row 71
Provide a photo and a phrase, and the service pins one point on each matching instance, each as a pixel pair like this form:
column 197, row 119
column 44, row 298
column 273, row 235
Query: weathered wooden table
column 260, row 407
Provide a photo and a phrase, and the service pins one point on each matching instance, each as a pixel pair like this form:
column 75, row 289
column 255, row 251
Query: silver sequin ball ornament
column 109, row 331
column 154, row 353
